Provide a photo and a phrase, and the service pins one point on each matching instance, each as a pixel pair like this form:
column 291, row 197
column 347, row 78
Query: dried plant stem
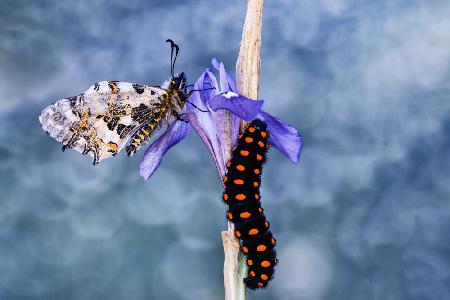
column 247, row 75
column 248, row 63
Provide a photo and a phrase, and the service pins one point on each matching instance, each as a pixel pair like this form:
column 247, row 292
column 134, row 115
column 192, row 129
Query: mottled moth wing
column 99, row 121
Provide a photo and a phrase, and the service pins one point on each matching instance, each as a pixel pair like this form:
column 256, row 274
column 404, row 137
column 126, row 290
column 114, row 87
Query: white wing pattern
column 99, row 121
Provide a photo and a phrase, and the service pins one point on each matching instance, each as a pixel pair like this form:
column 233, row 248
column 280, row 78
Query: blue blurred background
column 365, row 215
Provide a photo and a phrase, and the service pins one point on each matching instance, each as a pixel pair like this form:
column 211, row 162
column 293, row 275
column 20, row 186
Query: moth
column 100, row 121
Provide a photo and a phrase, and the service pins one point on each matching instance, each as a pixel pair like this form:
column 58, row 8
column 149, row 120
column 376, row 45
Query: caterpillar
column 242, row 182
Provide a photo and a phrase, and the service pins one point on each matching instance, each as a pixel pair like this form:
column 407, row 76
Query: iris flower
column 217, row 109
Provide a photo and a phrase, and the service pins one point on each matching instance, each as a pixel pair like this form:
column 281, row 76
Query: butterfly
column 100, row 121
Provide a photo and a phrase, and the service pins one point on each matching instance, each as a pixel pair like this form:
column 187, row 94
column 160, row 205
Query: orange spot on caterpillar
column 230, row 216
column 253, row 231
column 248, row 139
column 261, row 248
column 257, row 171
column 265, row 264
column 255, row 184
column 263, row 134
column 257, row 196
column 245, row 249
column 238, row 234
column 238, row 181
column 264, row 277
column 259, row 157
column 267, row 224
column 225, row 179
column 228, row 164
column 260, row 284
column 240, row 197
column 274, row 241
column 225, row 197
column 251, row 129
column 244, row 152
column 252, row 274
column 249, row 262
column 261, row 144
column 240, row 168
column 245, row 215
column 260, row 209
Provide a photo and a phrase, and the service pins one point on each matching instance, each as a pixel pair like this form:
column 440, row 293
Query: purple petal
column 155, row 152
column 209, row 125
column 207, row 129
column 203, row 92
column 209, row 82
column 216, row 63
column 241, row 106
column 229, row 124
column 283, row 136
column 227, row 82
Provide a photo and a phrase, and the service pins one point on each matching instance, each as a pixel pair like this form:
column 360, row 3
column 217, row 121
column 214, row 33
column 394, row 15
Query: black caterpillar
column 242, row 196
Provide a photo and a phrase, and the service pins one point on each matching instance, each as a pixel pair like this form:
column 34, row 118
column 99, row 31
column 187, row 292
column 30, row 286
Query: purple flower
column 225, row 110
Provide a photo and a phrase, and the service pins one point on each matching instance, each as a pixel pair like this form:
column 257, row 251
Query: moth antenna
column 172, row 58
column 171, row 55
column 177, row 49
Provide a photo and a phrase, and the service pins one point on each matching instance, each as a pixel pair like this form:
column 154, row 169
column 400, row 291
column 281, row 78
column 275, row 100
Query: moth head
column 179, row 81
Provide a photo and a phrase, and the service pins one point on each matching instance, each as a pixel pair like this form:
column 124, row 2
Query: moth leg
column 177, row 116
column 95, row 151
column 71, row 141
column 85, row 150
